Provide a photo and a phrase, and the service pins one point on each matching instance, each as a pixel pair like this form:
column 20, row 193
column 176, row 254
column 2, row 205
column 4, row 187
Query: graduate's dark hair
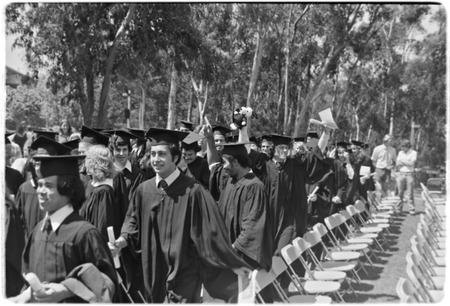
column 242, row 159
column 71, row 187
column 175, row 151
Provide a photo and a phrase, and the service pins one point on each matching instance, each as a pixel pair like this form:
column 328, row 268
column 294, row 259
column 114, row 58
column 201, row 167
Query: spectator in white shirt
column 405, row 176
column 383, row 158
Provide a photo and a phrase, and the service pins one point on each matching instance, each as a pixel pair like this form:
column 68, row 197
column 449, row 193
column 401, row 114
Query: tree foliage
column 373, row 64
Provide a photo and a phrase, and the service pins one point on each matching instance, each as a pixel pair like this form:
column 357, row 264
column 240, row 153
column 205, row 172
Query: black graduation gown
column 200, row 170
column 75, row 242
column 28, row 206
column 98, row 209
column 133, row 179
column 13, row 179
column 244, row 207
column 182, row 237
column 14, row 245
column 357, row 189
column 287, row 194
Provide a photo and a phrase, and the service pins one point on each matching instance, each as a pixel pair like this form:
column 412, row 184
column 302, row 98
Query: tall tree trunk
column 104, row 94
column 171, row 108
column 88, row 100
column 142, row 109
column 286, row 72
column 189, row 113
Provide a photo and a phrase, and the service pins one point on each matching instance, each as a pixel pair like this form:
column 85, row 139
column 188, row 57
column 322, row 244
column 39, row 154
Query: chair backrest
column 351, row 209
column 301, row 244
column 312, row 237
column 360, row 206
column 406, row 291
column 278, row 266
column 320, row 228
column 290, row 254
column 333, row 221
column 345, row 214
column 417, row 282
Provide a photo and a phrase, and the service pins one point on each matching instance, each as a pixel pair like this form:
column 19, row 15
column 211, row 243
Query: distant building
column 14, row 78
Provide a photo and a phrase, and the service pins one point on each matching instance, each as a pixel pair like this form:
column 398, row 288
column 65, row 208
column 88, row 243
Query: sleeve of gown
column 255, row 239
column 214, row 248
column 130, row 227
column 94, row 250
column 217, row 181
column 120, row 193
column 315, row 167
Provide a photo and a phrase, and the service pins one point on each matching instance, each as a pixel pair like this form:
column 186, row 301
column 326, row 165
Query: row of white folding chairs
column 426, row 263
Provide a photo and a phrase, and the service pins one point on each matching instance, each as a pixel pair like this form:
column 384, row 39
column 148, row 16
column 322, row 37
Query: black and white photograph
column 224, row 152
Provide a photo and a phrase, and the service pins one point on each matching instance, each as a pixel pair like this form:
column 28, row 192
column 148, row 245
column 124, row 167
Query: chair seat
column 329, row 275
column 439, row 253
column 310, row 299
column 440, row 261
column 343, row 266
column 436, row 295
column 313, row 287
column 342, row 255
column 354, row 247
column 438, row 271
column 379, row 220
column 366, row 235
column 359, row 240
column 371, row 229
column 438, row 282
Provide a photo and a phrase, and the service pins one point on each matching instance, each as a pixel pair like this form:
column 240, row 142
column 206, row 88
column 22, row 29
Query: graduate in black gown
column 196, row 166
column 68, row 254
column 26, row 198
column 100, row 207
column 178, row 227
column 245, row 208
column 360, row 184
column 14, row 244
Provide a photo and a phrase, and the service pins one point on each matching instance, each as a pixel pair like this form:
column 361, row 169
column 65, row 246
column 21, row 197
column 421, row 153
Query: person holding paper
column 363, row 167
column 68, row 254
column 178, row 227
column 406, row 160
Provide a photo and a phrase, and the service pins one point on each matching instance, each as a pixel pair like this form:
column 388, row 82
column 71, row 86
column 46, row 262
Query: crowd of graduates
column 190, row 209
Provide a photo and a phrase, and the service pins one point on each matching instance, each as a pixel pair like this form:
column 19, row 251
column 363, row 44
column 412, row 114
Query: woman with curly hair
column 100, row 207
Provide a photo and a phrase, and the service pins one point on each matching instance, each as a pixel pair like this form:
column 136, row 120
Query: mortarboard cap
column 59, row 165
column 93, row 137
column 7, row 134
column 48, row 134
column 120, row 136
column 357, row 143
column 191, row 146
column 280, row 139
column 221, row 130
column 51, row 146
column 73, row 145
column 300, row 137
column 232, row 138
column 164, row 136
column 253, row 139
column 312, row 134
column 187, row 125
column 137, row 133
column 312, row 143
column 343, row 144
column 233, row 149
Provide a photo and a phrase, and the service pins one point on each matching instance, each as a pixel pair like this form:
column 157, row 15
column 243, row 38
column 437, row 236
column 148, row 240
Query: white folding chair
column 429, row 296
column 333, row 222
column 333, row 253
column 307, row 285
column 406, row 291
column 360, row 225
column 426, row 264
column 264, row 278
column 425, row 252
column 426, row 244
column 353, row 233
column 432, row 282
column 327, row 264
